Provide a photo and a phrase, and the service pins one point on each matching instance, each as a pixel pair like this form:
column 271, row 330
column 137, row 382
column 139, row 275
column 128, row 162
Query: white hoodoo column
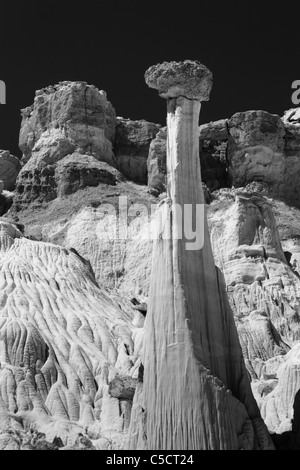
column 196, row 391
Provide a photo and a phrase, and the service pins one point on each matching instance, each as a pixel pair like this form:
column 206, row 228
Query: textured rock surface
column 277, row 407
column 73, row 172
column 189, row 78
column 247, row 249
column 63, row 343
column 255, row 148
column 80, row 171
column 263, row 147
column 70, row 348
column 86, row 220
column 68, row 115
column 131, row 147
column 119, row 263
column 216, row 130
column 157, row 170
column 9, row 169
column 263, row 287
column 70, row 118
column 292, row 152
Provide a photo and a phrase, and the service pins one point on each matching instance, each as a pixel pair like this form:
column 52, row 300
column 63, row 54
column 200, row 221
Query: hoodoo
column 196, row 391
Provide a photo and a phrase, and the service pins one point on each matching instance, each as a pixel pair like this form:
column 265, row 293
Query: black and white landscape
column 149, row 265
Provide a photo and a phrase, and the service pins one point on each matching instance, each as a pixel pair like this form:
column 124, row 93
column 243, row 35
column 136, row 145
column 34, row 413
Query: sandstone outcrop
column 71, row 126
column 68, row 115
column 131, row 147
column 262, row 147
column 9, row 169
column 248, row 250
column 78, row 171
column 250, row 146
column 70, row 118
column 196, row 392
column 263, row 287
column 255, row 148
column 73, row 172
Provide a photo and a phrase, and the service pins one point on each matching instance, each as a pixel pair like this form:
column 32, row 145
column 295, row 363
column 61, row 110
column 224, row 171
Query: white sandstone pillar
column 192, row 356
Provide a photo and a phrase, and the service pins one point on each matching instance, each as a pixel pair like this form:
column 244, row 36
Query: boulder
column 9, row 169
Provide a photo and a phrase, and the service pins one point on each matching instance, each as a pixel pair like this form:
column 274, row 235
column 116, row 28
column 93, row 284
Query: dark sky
column 252, row 48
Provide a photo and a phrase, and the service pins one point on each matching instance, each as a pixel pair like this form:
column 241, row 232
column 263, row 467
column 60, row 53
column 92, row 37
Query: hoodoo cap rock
column 190, row 79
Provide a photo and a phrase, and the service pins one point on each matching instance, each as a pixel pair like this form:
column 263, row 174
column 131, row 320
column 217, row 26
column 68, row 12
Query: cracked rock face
column 190, row 79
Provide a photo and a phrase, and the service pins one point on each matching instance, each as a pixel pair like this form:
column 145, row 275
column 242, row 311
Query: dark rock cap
column 172, row 79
